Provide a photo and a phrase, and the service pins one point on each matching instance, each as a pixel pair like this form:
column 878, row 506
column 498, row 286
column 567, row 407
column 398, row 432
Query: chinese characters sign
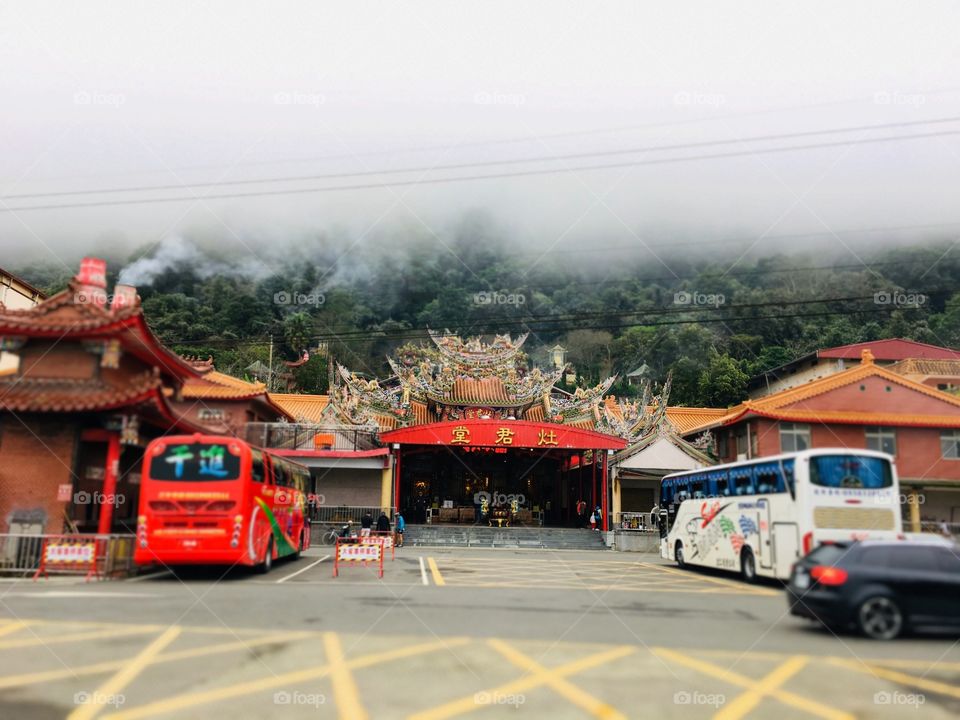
column 195, row 461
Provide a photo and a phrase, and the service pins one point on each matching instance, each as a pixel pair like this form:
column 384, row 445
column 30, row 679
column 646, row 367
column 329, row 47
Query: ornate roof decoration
column 473, row 352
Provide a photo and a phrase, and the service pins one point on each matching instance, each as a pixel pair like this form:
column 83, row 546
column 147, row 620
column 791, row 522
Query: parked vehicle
column 758, row 517
column 881, row 588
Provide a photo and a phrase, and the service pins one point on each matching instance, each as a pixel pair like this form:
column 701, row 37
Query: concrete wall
column 348, row 486
column 633, row 541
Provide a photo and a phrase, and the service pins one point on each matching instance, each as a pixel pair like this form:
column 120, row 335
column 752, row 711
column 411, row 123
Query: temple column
column 603, row 494
column 396, row 478
column 110, row 475
column 913, row 500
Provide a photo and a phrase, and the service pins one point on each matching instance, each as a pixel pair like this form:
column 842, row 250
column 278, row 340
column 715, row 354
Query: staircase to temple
column 488, row 537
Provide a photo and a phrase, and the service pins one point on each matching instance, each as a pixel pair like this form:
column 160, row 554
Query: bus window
column 256, row 470
column 850, row 471
column 722, row 489
column 767, row 482
column 743, row 485
column 696, row 488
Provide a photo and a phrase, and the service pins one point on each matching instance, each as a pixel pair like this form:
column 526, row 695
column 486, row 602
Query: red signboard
column 72, row 554
column 504, row 434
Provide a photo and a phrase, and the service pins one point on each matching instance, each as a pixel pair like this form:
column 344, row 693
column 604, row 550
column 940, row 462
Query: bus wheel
column 678, row 554
column 748, row 566
column 264, row 567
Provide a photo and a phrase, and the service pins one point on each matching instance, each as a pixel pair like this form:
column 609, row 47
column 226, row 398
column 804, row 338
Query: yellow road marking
column 76, row 637
column 118, row 682
column 788, row 698
column 435, row 572
column 742, row 587
column 469, row 703
column 175, row 656
column 744, row 703
column 896, row 676
column 188, row 700
column 571, row 692
column 345, row 691
column 12, row 627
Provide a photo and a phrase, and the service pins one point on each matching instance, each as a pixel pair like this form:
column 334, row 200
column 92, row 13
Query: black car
column 881, row 588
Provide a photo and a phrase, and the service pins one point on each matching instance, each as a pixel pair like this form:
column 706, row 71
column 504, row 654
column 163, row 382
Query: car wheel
column 748, row 566
column 264, row 567
column 880, row 618
column 678, row 555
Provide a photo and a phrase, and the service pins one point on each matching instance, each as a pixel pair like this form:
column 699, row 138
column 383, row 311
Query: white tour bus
column 759, row 516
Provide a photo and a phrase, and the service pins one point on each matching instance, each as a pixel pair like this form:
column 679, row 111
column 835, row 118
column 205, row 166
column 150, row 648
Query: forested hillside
column 713, row 322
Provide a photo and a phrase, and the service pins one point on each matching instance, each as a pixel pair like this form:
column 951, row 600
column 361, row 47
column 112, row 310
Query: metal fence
column 20, row 554
column 346, row 513
column 305, row 436
column 636, row 521
column 945, row 529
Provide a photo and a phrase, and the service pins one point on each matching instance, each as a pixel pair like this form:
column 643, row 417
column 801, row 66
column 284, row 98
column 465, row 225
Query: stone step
column 479, row 536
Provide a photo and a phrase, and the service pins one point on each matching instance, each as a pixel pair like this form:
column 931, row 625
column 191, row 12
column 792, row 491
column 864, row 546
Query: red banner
column 504, row 434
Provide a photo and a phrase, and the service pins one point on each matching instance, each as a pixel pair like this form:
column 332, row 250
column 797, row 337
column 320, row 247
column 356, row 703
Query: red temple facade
column 90, row 386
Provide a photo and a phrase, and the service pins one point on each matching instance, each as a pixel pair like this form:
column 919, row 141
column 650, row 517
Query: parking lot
column 445, row 634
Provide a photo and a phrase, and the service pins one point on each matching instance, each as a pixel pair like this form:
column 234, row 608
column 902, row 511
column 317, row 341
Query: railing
column 341, row 514
column 20, row 554
column 636, row 521
column 305, row 436
column 929, row 526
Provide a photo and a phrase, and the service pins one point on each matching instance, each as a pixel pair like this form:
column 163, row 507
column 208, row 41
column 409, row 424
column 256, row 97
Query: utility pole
column 270, row 368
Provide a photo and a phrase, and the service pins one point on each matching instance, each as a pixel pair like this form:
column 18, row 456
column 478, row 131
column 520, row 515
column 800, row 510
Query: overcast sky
column 100, row 95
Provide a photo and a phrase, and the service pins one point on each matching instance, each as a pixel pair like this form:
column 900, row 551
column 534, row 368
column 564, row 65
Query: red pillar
column 396, row 482
column 603, row 494
column 110, row 474
column 593, row 483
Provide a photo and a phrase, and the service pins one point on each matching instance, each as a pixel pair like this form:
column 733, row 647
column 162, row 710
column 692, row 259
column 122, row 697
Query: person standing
column 383, row 523
column 581, row 513
column 366, row 523
column 401, row 526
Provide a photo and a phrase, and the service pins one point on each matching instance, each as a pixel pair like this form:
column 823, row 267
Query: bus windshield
column 850, row 471
column 195, row 462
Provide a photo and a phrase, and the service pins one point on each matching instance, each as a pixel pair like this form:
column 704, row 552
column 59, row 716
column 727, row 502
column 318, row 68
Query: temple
column 480, row 435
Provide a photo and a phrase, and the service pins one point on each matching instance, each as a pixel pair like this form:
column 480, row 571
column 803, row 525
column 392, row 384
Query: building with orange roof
column 824, row 362
column 865, row 406
column 225, row 404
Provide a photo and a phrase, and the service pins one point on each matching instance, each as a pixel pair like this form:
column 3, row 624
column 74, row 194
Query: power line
column 498, row 141
column 564, row 321
column 481, row 164
column 494, row 176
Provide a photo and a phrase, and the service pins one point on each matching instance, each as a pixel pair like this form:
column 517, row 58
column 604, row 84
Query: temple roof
column 21, row 394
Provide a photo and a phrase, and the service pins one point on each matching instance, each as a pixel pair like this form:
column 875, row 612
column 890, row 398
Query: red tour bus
column 214, row 500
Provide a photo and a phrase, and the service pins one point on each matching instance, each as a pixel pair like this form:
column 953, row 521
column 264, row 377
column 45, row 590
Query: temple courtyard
column 448, row 633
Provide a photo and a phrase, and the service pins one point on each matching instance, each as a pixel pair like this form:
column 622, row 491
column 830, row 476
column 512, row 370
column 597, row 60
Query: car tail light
column 162, row 506
column 221, row 506
column 807, row 543
column 829, row 575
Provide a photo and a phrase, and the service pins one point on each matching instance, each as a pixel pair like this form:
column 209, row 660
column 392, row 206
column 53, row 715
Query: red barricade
column 388, row 542
column 70, row 554
column 362, row 550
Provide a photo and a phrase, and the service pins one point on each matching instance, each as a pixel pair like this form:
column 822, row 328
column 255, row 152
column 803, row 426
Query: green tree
column 723, row 382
